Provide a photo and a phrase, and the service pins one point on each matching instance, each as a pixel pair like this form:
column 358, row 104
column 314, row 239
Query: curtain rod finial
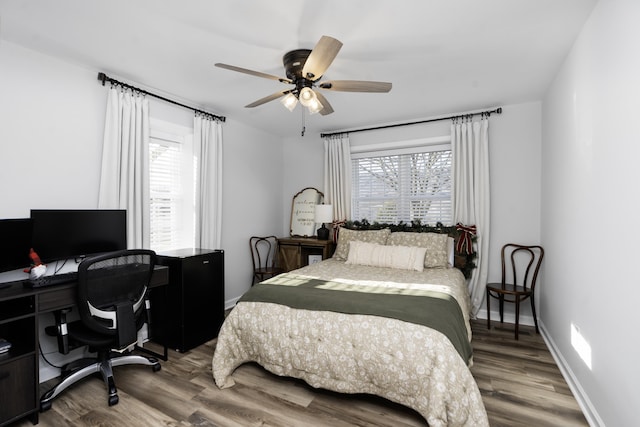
column 102, row 77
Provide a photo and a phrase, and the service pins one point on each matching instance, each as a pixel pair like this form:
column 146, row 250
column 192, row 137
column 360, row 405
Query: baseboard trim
column 229, row 304
column 589, row 411
column 508, row 317
column 47, row 373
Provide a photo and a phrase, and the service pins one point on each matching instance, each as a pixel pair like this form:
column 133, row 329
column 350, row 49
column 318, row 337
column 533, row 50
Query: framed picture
column 314, row 259
column 303, row 211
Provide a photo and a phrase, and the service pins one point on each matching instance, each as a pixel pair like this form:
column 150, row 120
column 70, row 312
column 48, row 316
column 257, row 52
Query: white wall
column 303, row 167
column 51, row 122
column 514, row 140
column 51, row 126
column 589, row 202
column 252, row 196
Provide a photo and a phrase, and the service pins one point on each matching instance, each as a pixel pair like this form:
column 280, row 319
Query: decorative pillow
column 435, row 243
column 346, row 235
column 402, row 257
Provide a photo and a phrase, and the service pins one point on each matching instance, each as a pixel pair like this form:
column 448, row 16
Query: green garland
column 463, row 261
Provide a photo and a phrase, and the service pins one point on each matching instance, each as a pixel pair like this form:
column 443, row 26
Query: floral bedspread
column 406, row 363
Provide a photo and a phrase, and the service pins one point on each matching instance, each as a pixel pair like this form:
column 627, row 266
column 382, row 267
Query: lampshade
column 306, row 96
column 324, row 213
column 290, row 101
column 314, row 106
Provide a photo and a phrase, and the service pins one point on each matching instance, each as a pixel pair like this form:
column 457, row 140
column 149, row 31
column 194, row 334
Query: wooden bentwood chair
column 264, row 254
column 520, row 267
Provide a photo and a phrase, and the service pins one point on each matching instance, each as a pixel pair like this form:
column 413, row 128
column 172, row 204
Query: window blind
column 165, row 178
column 403, row 186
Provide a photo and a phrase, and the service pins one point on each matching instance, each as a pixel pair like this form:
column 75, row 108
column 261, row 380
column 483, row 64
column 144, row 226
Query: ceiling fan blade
column 326, row 107
column 356, row 86
column 321, row 57
column 252, row 73
column 267, row 99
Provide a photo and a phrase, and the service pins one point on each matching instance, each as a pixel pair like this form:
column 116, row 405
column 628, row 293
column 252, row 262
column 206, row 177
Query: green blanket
column 433, row 309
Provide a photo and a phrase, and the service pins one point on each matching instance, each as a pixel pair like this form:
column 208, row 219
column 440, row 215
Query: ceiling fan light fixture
column 315, row 106
column 290, row 101
column 307, row 96
column 304, row 68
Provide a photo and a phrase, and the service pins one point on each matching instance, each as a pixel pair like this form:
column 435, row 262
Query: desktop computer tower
column 190, row 310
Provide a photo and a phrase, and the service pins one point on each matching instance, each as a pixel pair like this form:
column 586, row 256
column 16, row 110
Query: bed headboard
column 464, row 236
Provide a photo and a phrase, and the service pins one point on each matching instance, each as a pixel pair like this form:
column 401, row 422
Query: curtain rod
column 488, row 113
column 104, row 78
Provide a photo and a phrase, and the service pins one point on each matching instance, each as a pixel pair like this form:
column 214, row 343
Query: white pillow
column 346, row 235
column 436, row 244
column 401, row 257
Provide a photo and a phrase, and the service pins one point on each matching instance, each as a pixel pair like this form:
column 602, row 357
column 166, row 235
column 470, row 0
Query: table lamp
column 324, row 214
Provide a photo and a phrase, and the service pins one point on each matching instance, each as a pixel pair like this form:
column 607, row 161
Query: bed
column 386, row 316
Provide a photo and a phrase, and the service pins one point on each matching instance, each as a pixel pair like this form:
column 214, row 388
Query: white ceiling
column 442, row 56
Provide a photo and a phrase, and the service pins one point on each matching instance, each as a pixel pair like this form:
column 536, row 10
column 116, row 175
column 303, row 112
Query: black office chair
column 520, row 267
column 111, row 300
column 264, row 254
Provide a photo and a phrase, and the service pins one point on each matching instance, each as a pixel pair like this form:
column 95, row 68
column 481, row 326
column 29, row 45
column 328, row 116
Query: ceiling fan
column 304, row 69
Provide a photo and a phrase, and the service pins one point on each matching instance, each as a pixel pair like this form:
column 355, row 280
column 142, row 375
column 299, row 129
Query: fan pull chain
column 303, row 126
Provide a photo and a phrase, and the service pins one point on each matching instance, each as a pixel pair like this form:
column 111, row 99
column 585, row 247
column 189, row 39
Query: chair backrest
column 264, row 251
column 112, row 291
column 521, row 264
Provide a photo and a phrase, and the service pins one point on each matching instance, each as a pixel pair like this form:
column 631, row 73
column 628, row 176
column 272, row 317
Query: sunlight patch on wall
column 581, row 345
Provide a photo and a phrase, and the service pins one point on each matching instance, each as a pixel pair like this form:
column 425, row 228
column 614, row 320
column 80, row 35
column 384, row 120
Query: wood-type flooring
column 519, row 381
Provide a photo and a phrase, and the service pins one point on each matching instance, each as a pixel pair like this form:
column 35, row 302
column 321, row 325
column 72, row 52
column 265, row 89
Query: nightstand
column 296, row 252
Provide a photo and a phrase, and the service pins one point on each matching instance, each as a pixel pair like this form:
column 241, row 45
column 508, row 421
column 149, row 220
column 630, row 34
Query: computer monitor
column 75, row 233
column 15, row 242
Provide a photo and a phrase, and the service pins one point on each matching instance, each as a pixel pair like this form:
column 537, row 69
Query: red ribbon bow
column 465, row 242
column 337, row 225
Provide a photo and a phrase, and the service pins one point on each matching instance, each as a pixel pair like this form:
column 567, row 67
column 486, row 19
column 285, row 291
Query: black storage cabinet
column 192, row 310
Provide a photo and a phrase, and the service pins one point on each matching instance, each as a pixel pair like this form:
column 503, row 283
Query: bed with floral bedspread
column 320, row 324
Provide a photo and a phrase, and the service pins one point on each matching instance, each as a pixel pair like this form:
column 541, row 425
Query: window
column 405, row 185
column 172, row 187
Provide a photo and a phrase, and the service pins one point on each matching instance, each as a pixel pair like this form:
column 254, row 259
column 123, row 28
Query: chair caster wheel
column 45, row 406
column 156, row 368
column 113, row 400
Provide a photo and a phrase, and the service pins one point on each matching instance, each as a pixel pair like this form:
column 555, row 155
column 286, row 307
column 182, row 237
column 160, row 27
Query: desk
column 20, row 307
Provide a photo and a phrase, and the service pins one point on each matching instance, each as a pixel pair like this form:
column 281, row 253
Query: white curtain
column 470, row 147
column 124, row 178
column 207, row 146
column 337, row 177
